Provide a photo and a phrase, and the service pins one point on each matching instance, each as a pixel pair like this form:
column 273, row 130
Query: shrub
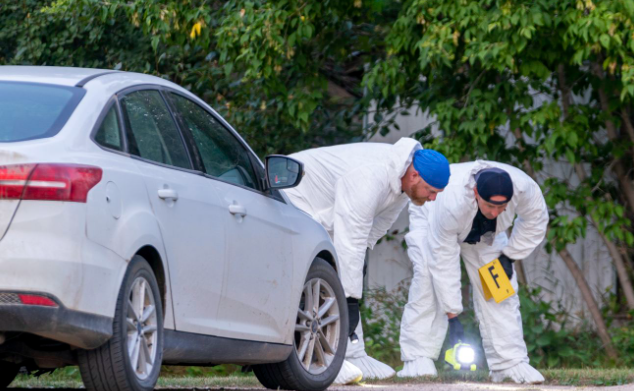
column 550, row 340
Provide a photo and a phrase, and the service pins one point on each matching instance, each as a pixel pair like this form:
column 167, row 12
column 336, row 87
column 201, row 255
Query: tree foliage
column 527, row 82
column 522, row 81
column 308, row 96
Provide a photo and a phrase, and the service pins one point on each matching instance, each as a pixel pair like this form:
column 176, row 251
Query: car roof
column 79, row 77
column 101, row 81
column 65, row 76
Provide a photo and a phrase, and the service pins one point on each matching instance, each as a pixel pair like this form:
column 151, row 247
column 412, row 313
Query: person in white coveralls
column 356, row 191
column 470, row 219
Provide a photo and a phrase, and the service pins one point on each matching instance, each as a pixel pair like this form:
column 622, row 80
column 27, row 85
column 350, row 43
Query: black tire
column 108, row 367
column 8, row 373
column 291, row 374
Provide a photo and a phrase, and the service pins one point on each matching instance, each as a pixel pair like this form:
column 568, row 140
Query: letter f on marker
column 495, row 276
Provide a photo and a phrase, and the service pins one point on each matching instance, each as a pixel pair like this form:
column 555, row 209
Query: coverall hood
column 401, row 158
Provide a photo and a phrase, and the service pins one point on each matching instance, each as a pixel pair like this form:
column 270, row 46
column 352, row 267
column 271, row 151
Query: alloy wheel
column 142, row 328
column 317, row 326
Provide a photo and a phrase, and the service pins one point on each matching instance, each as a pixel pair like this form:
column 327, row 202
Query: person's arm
column 357, row 197
column 384, row 221
column 416, row 238
column 445, row 222
column 529, row 228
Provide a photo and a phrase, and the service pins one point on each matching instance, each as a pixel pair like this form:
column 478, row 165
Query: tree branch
column 616, row 256
column 565, row 91
column 577, row 274
column 619, row 169
column 627, row 123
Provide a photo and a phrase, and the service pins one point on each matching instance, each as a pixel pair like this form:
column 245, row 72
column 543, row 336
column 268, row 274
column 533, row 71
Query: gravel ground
column 590, row 379
column 412, row 387
column 472, row 387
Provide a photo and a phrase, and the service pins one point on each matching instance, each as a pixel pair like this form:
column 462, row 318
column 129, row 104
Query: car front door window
column 223, row 156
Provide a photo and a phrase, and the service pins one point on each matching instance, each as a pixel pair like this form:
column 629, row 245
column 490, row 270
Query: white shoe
column 348, row 374
column 422, row 366
column 372, row 368
column 520, row 373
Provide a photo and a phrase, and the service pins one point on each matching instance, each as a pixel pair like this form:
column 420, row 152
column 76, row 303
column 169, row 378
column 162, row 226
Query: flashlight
column 466, row 355
column 461, row 357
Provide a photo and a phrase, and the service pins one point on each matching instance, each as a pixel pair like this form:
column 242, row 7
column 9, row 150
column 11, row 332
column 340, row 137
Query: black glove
column 353, row 314
column 507, row 264
column 456, row 332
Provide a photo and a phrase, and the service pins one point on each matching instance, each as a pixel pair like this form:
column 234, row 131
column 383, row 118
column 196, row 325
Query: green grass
column 69, row 378
column 568, row 377
column 478, row 376
column 64, row 378
column 589, row 377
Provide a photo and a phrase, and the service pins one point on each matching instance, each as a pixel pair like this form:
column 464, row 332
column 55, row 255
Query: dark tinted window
column 222, row 154
column 152, row 134
column 30, row 111
column 109, row 133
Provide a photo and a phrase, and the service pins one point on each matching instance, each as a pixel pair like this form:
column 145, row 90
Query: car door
column 256, row 292
column 186, row 206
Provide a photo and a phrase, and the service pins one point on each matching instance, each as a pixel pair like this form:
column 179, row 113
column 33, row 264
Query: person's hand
column 507, row 265
column 456, row 331
column 354, row 315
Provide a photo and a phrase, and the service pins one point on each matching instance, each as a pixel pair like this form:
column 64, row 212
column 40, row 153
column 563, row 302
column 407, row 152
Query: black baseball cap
column 494, row 182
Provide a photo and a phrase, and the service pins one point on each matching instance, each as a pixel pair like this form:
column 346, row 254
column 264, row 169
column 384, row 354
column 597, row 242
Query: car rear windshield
column 29, row 111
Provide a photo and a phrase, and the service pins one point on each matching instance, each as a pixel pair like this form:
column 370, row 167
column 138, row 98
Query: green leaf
column 544, row 340
column 570, row 155
column 303, row 116
column 605, row 40
column 573, row 139
column 537, row 329
column 629, row 239
column 565, row 351
column 154, row 42
column 553, row 361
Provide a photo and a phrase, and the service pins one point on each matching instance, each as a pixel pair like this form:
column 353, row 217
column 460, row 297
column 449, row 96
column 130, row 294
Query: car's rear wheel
column 131, row 359
column 8, row 372
column 320, row 336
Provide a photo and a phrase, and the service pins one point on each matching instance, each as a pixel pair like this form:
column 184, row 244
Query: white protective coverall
column 354, row 191
column 435, row 244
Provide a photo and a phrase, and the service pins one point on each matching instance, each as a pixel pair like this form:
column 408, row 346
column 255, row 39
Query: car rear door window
column 109, row 133
column 222, row 154
column 152, row 133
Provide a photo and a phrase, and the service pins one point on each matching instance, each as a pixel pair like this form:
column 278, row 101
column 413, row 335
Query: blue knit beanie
column 433, row 167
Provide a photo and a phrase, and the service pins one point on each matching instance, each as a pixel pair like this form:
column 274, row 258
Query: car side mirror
column 283, row 172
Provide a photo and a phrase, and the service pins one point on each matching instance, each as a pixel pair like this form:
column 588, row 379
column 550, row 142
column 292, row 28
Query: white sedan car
column 137, row 229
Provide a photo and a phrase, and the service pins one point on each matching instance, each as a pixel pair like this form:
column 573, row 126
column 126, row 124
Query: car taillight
column 48, row 181
column 36, row 300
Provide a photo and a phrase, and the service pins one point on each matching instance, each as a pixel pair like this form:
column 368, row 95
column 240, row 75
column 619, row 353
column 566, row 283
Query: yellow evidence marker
column 495, row 282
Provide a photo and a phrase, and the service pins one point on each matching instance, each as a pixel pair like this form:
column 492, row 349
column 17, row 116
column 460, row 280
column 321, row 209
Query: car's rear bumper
column 46, row 250
column 80, row 329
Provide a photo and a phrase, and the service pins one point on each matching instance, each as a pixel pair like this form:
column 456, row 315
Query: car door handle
column 168, row 194
column 236, row 209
